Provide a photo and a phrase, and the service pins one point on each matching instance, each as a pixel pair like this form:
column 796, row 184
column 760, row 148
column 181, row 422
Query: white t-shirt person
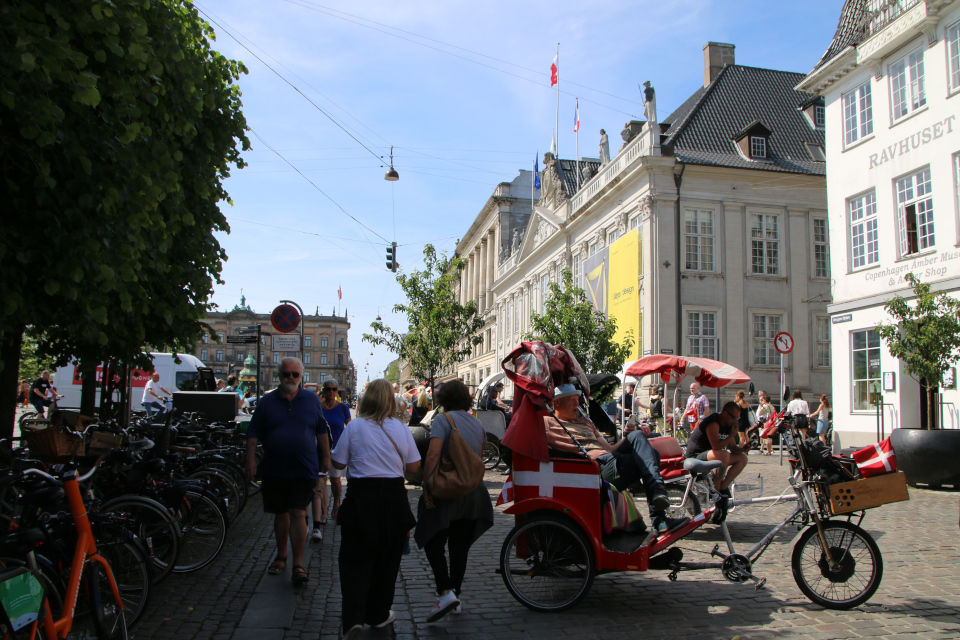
column 368, row 453
column 154, row 386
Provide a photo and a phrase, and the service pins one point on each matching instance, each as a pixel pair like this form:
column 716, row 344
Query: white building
column 891, row 86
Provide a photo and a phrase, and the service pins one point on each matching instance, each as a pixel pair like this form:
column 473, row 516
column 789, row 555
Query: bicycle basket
column 55, row 442
column 21, row 599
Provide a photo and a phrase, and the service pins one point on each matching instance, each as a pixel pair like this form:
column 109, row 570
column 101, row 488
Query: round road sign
column 285, row 318
column 783, row 342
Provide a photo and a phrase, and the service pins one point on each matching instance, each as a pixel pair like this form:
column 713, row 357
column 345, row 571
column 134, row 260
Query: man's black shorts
column 280, row 495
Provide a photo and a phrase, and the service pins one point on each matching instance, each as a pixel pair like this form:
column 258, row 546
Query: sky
column 461, row 90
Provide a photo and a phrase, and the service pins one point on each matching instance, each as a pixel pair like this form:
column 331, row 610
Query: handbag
column 409, row 477
column 459, row 473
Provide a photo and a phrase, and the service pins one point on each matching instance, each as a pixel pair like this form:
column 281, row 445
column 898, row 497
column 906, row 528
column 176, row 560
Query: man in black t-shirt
column 38, row 392
column 715, row 438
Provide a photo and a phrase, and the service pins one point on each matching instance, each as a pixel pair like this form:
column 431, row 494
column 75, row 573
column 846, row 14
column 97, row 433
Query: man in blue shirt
column 289, row 422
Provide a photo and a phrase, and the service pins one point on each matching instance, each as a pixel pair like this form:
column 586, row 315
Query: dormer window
column 754, row 141
column 819, row 116
column 815, row 111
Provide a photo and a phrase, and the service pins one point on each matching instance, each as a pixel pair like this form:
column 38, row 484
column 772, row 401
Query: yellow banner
column 623, row 302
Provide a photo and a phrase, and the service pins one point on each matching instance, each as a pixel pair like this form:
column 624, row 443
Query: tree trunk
column 10, row 346
column 88, row 388
column 932, row 407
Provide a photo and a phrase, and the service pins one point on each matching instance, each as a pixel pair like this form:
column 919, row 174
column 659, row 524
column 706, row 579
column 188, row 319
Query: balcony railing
column 880, row 13
column 639, row 146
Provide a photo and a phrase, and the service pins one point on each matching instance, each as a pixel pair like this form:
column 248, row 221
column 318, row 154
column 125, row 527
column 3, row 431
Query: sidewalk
column 918, row 598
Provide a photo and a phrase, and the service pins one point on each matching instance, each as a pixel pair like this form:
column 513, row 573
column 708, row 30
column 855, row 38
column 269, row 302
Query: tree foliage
column 392, row 373
column 925, row 335
column 440, row 330
column 570, row 320
column 118, row 125
column 30, row 364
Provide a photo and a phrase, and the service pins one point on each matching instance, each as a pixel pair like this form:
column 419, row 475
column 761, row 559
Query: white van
column 174, row 376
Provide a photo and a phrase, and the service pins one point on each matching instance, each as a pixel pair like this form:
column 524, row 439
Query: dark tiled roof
column 568, row 173
column 703, row 128
column 851, row 30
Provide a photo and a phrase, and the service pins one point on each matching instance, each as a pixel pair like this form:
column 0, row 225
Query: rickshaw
column 550, row 558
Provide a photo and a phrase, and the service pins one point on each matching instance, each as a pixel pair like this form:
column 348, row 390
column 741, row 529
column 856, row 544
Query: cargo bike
column 558, row 545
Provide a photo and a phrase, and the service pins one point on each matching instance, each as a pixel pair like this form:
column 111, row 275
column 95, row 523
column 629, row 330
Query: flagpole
column 578, row 144
column 557, row 149
column 533, row 182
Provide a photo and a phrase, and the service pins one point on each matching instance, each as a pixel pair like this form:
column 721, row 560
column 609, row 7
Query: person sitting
column 494, row 403
column 715, row 438
column 630, row 460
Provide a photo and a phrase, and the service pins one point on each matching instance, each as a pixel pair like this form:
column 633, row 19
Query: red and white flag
column 506, row 494
column 576, row 119
column 340, row 292
column 876, row 459
column 555, row 70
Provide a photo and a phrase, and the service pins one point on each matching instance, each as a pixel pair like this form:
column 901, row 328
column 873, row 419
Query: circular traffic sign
column 783, row 342
column 285, row 318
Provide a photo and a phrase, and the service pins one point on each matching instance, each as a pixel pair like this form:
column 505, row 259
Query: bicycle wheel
column 26, row 415
column 203, row 528
column 490, row 455
column 130, row 564
column 221, row 485
column 860, row 565
column 235, row 472
column 547, row 563
column 109, row 617
column 157, row 529
column 677, row 507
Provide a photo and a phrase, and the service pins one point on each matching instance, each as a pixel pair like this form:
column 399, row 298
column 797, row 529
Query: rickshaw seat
column 701, row 467
column 671, row 457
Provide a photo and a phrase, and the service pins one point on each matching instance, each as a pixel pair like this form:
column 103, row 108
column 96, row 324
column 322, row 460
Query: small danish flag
column 506, row 494
column 544, row 477
column 876, row 459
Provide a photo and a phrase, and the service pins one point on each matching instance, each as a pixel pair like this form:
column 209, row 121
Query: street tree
column 440, row 330
column 118, row 125
column 569, row 319
column 925, row 335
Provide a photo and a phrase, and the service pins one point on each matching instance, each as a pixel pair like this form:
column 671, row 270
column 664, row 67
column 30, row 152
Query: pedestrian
column 337, row 415
column 454, row 524
column 231, row 385
column 764, row 413
column 421, row 408
column 289, row 423
column 23, row 393
column 822, row 414
column 40, row 391
column 221, row 385
column 743, row 422
column 656, row 406
column 625, row 404
column 697, row 404
column 375, row 518
column 801, row 411
column 152, row 401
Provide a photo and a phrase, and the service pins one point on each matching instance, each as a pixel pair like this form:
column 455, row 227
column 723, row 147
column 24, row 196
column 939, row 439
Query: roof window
column 754, row 141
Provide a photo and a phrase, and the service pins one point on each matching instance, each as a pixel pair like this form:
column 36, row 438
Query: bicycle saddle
column 700, row 467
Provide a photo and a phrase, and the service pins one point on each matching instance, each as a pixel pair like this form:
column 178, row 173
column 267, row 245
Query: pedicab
column 559, row 542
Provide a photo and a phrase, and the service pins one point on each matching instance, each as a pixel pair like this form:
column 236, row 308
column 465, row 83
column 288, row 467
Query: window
column 339, row 343
column 594, row 247
column 613, row 236
column 953, row 56
column 857, row 114
column 819, row 116
column 323, row 378
column 915, row 213
column 907, row 92
column 865, row 346
column 275, row 376
column 323, row 358
column 324, row 341
column 823, row 340
column 263, row 357
column 698, row 233
column 306, row 376
column 765, row 329
column 239, row 356
column 308, row 341
column 578, row 272
column 203, row 354
column 516, row 313
column 864, row 236
column 339, row 358
column 276, row 357
column 758, row 147
column 634, row 222
column 221, row 337
column 821, row 249
column 506, row 327
column 702, row 334
column 544, row 293
column 815, row 151
column 206, row 338
column 219, row 355
column 764, row 244
column 307, row 358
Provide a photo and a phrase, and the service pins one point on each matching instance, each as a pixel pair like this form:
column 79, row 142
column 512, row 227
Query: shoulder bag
column 458, row 474
column 409, row 477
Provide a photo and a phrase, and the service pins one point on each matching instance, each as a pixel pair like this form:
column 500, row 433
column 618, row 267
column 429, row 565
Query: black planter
column 930, row 457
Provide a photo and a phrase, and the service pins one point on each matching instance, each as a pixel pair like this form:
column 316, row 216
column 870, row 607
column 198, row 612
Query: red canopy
column 709, row 373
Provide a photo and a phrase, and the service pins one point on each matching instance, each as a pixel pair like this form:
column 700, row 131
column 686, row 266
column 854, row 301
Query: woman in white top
column 375, row 518
column 799, row 407
column 764, row 411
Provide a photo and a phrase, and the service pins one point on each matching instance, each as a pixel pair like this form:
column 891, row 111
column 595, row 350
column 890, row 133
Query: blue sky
column 461, row 89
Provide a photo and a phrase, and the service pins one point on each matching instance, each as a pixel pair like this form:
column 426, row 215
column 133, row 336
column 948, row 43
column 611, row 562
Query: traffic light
column 392, row 257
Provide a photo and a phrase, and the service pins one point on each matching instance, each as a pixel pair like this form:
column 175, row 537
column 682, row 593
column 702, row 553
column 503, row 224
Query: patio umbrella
column 709, row 373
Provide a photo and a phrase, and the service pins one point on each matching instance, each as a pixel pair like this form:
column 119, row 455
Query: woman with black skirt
column 375, row 516
column 451, row 523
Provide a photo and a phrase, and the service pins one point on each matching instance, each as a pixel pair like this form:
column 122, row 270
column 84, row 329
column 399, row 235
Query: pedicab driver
column 627, row 462
column 716, row 439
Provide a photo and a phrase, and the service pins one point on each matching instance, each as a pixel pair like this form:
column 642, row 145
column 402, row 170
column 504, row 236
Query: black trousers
column 458, row 537
column 374, row 520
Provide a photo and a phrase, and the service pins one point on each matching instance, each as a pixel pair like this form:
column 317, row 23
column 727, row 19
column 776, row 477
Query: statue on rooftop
column 649, row 102
column 604, row 148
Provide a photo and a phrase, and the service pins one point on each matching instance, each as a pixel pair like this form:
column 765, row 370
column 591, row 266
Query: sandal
column 336, row 510
column 322, row 520
column 300, row 576
column 277, row 566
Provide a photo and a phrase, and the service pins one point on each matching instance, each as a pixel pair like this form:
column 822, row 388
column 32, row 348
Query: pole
column 301, row 328
column 557, row 149
column 258, row 361
column 578, row 142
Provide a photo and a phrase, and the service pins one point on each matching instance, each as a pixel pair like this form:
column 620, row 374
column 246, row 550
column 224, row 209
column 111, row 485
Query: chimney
column 716, row 55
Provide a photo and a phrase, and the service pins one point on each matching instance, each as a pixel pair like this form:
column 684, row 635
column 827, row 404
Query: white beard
column 289, row 386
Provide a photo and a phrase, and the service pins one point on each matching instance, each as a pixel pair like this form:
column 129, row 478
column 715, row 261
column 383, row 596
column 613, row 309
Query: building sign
column 286, row 342
column 845, row 317
column 624, row 294
column 933, row 266
column 913, row 141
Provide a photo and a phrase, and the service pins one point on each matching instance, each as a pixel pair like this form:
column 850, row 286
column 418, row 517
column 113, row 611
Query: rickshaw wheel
column 547, row 562
column 491, row 453
column 860, row 565
column 691, row 509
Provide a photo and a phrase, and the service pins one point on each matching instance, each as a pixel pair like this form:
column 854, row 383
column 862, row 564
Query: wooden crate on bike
column 101, row 441
column 55, row 441
column 868, row 492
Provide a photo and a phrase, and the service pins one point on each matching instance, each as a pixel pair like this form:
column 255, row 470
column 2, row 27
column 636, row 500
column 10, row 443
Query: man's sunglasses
column 329, row 388
column 290, row 374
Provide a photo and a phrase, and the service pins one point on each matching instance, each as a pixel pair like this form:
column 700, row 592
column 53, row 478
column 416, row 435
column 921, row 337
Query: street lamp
column 391, row 175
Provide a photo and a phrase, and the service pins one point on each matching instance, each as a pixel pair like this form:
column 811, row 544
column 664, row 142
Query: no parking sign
column 285, row 318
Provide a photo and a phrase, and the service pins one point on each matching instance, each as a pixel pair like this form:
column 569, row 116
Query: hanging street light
column 391, row 175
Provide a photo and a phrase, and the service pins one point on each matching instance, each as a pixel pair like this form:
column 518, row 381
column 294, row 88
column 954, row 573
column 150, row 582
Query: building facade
column 723, row 203
column 325, row 348
column 890, row 81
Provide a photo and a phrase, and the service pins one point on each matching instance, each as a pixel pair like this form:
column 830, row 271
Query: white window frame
column 952, row 38
column 699, row 342
column 819, row 116
column 307, row 358
column 517, row 315
column 578, row 271
column 907, row 77
column 323, row 358
column 699, row 240
column 206, row 338
column 324, row 342
column 593, row 248
column 915, row 211
column 276, row 357
column 203, row 354
column 634, row 223
column 769, row 247
column 239, row 356
column 758, row 147
column 863, row 230
column 307, row 341
column 544, row 292
column 612, row 236
column 219, row 355
column 772, row 324
column 306, row 376
column 821, row 348
column 509, row 316
column 857, row 114
column 821, row 248
column 854, row 380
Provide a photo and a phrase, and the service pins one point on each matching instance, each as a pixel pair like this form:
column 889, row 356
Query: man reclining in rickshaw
column 715, row 438
column 624, row 464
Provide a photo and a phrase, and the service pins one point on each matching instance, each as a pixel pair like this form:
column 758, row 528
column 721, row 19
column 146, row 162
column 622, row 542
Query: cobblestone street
column 918, row 598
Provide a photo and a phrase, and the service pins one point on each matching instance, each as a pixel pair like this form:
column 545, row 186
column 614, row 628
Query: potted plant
column 925, row 335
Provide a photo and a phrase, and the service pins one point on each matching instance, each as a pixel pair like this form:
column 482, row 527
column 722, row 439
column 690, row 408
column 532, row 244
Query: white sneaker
column 459, row 608
column 387, row 622
column 354, row 632
column 317, row 535
column 445, row 604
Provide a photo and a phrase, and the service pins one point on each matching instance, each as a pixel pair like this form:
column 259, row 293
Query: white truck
column 174, row 376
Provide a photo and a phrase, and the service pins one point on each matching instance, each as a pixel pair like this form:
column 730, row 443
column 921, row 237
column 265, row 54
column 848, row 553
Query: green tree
column 30, row 364
column 570, row 320
column 440, row 330
column 118, row 125
column 393, row 372
column 925, row 335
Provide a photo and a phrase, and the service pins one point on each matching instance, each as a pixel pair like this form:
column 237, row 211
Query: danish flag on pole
column 340, row 293
column 506, row 494
column 876, row 459
column 576, row 119
column 555, row 70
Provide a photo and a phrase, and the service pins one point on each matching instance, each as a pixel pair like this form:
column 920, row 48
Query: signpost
column 783, row 343
column 285, row 319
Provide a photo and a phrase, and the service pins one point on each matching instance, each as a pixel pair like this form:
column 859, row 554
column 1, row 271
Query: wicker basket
column 55, row 442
